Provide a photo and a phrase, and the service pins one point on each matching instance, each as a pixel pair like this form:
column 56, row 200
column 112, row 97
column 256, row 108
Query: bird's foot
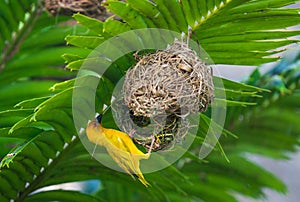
column 151, row 146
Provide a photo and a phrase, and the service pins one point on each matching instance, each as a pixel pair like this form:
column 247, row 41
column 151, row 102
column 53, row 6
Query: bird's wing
column 123, row 142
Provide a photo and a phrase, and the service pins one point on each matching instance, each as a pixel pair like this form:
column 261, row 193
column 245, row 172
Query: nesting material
column 167, row 129
column 160, row 91
column 174, row 80
column 90, row 8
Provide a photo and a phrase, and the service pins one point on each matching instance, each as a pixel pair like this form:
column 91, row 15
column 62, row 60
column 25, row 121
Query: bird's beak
column 98, row 118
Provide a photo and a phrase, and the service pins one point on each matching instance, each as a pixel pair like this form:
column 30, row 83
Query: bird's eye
column 96, row 124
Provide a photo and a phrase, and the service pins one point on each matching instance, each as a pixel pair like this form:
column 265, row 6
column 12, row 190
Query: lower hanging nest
column 165, row 87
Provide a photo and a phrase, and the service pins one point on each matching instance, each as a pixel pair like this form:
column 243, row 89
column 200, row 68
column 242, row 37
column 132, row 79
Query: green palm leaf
column 232, row 32
column 46, row 149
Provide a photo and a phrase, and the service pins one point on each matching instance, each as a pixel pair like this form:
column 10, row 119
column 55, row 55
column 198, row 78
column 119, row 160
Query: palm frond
column 46, row 149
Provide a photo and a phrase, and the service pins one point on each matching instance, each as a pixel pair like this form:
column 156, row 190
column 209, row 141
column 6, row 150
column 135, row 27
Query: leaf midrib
column 34, row 185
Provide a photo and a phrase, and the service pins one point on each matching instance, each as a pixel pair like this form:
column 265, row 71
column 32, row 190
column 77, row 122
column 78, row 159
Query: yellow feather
column 120, row 147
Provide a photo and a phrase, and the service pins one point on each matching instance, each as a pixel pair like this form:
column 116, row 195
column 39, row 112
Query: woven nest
column 90, row 8
column 160, row 91
column 172, row 80
column 168, row 129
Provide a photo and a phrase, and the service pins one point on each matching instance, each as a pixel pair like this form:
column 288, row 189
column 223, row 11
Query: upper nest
column 90, row 8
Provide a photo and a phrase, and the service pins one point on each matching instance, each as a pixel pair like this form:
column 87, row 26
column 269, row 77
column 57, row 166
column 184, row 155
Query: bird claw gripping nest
column 170, row 83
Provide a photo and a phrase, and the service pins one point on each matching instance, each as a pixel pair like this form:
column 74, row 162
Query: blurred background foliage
column 39, row 144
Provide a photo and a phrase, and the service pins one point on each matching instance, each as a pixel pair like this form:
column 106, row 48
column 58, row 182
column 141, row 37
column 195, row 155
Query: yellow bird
column 119, row 146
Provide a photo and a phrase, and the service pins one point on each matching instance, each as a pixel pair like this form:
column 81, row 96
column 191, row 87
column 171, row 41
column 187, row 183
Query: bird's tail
column 142, row 179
